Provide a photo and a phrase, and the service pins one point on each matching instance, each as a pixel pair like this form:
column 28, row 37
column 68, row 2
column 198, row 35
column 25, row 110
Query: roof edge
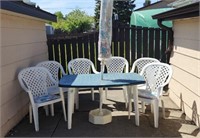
column 187, row 11
column 27, row 10
column 148, row 5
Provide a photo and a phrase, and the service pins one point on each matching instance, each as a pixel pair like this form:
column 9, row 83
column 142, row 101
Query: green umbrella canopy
column 144, row 18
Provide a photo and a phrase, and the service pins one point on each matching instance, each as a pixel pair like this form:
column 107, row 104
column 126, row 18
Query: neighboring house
column 157, row 5
column 23, row 44
column 185, row 59
column 49, row 29
column 180, row 3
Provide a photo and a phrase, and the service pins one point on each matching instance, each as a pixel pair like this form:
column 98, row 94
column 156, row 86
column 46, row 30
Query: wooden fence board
column 63, row 54
column 86, row 49
column 151, row 42
column 129, row 42
column 133, row 45
column 116, row 40
column 121, row 42
column 50, row 49
column 145, row 42
column 74, row 48
column 68, row 50
column 139, row 43
column 56, row 50
column 157, row 43
column 80, row 47
column 91, row 42
column 163, row 46
column 97, row 63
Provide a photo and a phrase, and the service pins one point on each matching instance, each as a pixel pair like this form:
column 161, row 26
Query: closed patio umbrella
column 104, row 44
column 105, row 32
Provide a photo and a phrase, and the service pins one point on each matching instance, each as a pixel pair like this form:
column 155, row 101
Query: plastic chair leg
column 156, row 113
column 63, row 104
column 36, row 118
column 152, row 109
column 64, row 110
column 163, row 109
column 46, row 110
column 52, row 109
column 125, row 97
column 143, row 107
column 30, row 114
column 92, row 92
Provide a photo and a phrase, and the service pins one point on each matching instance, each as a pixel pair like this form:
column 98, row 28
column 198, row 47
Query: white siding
column 185, row 84
column 23, row 44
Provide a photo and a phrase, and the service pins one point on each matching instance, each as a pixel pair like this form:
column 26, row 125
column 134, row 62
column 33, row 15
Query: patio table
column 131, row 80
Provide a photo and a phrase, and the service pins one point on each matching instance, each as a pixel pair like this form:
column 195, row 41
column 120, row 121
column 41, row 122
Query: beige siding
column 185, row 84
column 23, row 44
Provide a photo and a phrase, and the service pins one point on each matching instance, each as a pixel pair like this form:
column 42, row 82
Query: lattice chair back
column 53, row 67
column 116, row 65
column 33, row 80
column 156, row 75
column 81, row 66
column 141, row 62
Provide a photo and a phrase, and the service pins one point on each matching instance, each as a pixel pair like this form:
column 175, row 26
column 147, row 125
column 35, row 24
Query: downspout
column 171, row 39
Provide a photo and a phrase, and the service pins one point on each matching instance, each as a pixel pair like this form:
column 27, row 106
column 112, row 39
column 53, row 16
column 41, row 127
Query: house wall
column 185, row 84
column 23, row 44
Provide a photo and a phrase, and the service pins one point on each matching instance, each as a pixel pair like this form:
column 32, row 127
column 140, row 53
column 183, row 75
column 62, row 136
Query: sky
column 66, row 6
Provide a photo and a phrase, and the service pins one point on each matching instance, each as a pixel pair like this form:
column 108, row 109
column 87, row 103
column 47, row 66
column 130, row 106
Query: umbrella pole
column 101, row 101
column 102, row 68
column 101, row 89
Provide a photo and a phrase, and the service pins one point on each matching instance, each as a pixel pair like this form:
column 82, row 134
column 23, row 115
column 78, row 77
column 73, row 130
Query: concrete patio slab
column 176, row 123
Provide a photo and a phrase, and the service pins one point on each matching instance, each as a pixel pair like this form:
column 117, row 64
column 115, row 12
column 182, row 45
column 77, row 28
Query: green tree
column 97, row 13
column 123, row 8
column 59, row 15
column 60, row 24
column 76, row 21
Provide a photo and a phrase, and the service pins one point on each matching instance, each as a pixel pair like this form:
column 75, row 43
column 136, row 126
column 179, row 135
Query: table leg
column 70, row 106
column 135, row 97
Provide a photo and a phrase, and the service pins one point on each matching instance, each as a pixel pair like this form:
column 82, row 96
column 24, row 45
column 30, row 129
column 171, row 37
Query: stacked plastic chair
column 34, row 81
column 117, row 65
column 156, row 75
column 81, row 66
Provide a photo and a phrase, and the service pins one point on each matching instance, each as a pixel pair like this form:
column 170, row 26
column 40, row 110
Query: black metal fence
column 128, row 42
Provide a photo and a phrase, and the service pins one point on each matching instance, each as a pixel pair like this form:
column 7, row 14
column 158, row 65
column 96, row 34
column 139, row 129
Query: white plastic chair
column 33, row 81
column 53, row 67
column 117, row 65
column 81, row 66
column 137, row 67
column 141, row 62
column 156, row 75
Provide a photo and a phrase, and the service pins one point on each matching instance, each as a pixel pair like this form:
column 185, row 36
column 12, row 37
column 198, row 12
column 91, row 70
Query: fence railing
column 128, row 42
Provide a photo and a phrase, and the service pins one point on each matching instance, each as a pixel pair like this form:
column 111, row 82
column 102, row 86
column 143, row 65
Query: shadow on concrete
column 120, row 126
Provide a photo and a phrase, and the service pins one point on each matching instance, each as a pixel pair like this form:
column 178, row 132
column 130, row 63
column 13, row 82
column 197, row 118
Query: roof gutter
column 187, row 11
